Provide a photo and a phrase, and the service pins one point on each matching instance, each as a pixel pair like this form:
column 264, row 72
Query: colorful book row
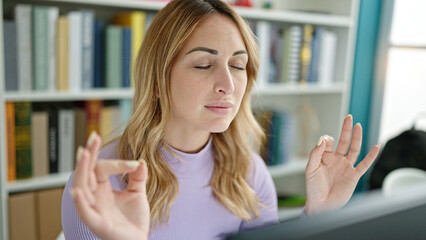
column 45, row 51
column 42, row 138
column 299, row 54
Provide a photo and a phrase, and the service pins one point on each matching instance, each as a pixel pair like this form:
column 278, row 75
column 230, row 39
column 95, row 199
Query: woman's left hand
column 331, row 177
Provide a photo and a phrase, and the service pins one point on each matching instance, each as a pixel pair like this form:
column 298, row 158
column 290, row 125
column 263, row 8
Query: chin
column 218, row 128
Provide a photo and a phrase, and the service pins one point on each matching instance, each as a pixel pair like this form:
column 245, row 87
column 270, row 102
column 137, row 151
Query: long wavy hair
column 144, row 134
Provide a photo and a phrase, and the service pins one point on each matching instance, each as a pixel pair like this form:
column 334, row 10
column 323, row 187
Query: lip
column 219, row 107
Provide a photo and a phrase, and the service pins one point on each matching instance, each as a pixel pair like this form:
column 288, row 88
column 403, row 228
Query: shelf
column 296, row 166
column 60, row 179
column 103, row 94
column 114, row 94
column 251, row 13
column 297, row 89
column 31, row 184
column 295, row 17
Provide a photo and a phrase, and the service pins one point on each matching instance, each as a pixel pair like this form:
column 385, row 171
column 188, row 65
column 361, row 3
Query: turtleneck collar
column 189, row 164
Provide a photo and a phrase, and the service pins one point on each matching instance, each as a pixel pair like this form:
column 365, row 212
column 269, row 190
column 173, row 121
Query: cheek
column 240, row 88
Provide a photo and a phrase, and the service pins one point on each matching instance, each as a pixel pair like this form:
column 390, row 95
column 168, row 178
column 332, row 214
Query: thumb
column 138, row 178
column 316, row 155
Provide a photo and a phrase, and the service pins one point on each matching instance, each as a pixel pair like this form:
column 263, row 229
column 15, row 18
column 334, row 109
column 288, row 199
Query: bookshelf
column 329, row 101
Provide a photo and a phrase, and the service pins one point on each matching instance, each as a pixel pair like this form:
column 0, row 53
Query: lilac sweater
column 195, row 213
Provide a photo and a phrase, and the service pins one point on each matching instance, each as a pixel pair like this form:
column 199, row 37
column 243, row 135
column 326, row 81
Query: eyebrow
column 214, row 52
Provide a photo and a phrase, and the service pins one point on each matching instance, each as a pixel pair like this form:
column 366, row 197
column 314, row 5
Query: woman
column 193, row 126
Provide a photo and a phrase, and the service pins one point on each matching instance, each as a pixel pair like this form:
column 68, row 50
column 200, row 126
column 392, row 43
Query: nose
column 224, row 84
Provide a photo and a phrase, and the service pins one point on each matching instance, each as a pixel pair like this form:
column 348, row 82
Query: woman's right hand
column 110, row 214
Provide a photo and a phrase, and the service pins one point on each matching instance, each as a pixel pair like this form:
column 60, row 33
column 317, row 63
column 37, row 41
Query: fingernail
column 349, row 115
column 379, row 145
column 91, row 138
column 133, row 164
column 72, row 193
column 79, row 153
column 320, row 141
column 143, row 162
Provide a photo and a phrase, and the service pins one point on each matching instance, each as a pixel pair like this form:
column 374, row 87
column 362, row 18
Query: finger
column 329, row 147
column 345, row 136
column 82, row 173
column 368, row 160
column 315, row 156
column 85, row 211
column 355, row 144
column 93, row 145
column 138, row 178
column 82, row 169
column 105, row 168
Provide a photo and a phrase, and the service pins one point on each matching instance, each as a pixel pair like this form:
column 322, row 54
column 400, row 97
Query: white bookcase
column 329, row 102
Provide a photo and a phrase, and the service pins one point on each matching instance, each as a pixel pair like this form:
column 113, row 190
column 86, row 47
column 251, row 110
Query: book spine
column 75, row 51
column 87, row 60
column 53, row 13
column 39, row 143
column 11, row 147
column 306, row 53
column 113, row 56
column 99, row 54
column 53, row 140
column 66, row 140
column 127, row 38
column 23, row 139
column 62, row 54
column 23, row 27
column 93, row 110
column 10, row 57
column 40, row 23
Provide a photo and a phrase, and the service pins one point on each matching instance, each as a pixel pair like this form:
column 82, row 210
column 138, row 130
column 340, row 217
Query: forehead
column 216, row 31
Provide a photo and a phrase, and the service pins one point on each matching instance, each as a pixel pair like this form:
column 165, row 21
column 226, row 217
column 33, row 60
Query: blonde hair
column 142, row 138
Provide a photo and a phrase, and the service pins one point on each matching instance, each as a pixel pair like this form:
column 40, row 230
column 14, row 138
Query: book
column 264, row 33
column 315, row 46
column 48, row 213
column 306, row 53
column 99, row 54
column 93, row 110
column 53, row 139
column 79, row 128
column 291, row 55
column 40, row 21
column 10, row 143
column 40, row 143
column 22, row 216
column 110, row 123
column 113, row 56
column 88, row 18
column 127, row 44
column 66, row 139
column 23, row 112
column 75, row 51
column 136, row 21
column 10, row 57
column 53, row 14
column 24, row 46
column 327, row 58
column 62, row 53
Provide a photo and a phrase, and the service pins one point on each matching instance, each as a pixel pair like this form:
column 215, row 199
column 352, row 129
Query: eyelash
column 208, row 66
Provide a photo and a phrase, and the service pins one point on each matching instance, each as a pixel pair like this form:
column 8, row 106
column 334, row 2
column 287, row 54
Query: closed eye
column 203, row 67
column 238, row 67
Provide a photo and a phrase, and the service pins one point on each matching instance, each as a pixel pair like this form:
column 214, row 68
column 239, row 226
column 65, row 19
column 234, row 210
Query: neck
column 187, row 142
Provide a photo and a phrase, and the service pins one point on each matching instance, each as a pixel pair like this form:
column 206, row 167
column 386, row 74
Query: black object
column 406, row 150
column 371, row 216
